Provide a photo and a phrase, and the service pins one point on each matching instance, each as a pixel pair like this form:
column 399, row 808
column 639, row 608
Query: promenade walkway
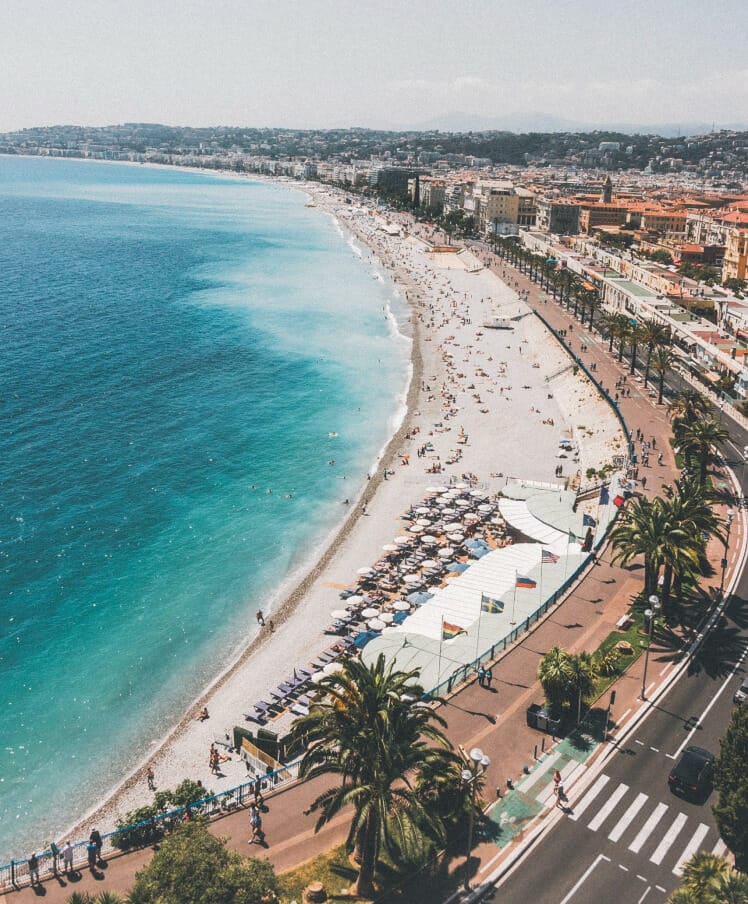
column 492, row 719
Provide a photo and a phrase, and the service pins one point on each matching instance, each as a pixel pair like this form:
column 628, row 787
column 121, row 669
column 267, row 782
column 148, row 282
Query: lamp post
column 480, row 762
column 655, row 606
column 730, row 518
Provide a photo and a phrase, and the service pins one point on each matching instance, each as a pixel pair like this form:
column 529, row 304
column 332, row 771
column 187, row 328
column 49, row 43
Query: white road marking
column 584, row 877
column 579, row 808
column 608, row 808
column 656, row 749
column 640, row 877
column 649, row 889
column 640, row 743
column 624, row 868
column 668, row 838
column 625, row 821
column 666, row 669
column 719, row 849
column 660, row 888
column 690, row 849
column 648, row 827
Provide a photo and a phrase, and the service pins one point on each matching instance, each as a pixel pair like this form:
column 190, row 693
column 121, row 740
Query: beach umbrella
column 370, row 612
column 477, row 494
column 429, row 563
column 376, row 624
column 456, row 538
column 416, row 529
column 463, row 503
column 342, row 614
column 497, row 519
column 461, row 486
column 436, row 489
column 332, row 667
column 422, row 510
column 412, row 578
column 484, row 507
column 446, row 552
column 424, row 522
column 387, row 618
column 453, row 525
column 401, row 606
column 365, row 571
column 470, row 516
column 448, row 511
column 428, row 539
column 402, row 541
column 390, row 547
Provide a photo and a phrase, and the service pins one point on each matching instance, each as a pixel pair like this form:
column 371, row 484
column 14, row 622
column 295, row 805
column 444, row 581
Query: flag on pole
column 588, row 521
column 490, row 604
column 525, row 582
column 604, row 496
column 573, row 537
column 548, row 558
column 450, row 631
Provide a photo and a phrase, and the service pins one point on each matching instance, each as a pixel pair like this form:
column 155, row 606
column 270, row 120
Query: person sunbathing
column 203, row 714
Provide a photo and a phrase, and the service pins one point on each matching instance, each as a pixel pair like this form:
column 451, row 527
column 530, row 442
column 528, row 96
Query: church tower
column 607, row 191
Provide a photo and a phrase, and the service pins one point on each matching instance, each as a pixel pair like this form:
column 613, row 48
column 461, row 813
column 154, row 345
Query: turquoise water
column 169, row 340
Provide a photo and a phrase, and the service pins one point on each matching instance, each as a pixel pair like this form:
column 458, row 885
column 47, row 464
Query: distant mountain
column 544, row 122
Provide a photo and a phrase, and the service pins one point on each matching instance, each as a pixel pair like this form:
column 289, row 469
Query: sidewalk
column 492, row 719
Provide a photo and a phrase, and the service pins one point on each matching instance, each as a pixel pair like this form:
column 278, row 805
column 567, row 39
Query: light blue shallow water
column 168, row 340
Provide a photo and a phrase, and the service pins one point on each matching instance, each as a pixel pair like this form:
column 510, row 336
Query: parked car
column 692, row 776
column 742, row 692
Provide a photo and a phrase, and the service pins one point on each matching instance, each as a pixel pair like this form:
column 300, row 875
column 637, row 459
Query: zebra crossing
column 665, row 835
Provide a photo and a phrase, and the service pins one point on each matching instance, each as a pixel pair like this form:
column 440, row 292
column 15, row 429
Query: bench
column 624, row 621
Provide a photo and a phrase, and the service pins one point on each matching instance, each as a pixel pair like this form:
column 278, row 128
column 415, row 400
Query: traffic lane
column 607, row 879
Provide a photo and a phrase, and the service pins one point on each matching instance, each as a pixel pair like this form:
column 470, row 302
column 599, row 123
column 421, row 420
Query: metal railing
column 15, row 874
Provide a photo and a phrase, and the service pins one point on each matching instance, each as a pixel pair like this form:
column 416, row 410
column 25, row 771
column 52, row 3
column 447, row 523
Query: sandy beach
column 511, row 392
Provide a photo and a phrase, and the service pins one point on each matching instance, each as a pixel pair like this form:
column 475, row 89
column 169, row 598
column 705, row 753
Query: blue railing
column 15, row 874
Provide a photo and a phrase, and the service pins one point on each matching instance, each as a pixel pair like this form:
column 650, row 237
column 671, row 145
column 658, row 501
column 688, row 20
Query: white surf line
column 579, row 808
column 610, row 805
column 709, row 706
column 625, row 821
column 647, row 829
column 690, row 849
column 584, row 878
column 668, row 839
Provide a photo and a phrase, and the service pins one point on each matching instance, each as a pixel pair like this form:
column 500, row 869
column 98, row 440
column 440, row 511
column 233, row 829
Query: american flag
column 548, row 558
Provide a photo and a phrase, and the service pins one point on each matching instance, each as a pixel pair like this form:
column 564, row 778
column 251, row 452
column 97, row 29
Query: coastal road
column 625, row 835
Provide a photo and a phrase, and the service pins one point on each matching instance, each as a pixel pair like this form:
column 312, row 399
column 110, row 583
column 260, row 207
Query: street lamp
column 730, row 518
column 480, row 762
column 654, row 602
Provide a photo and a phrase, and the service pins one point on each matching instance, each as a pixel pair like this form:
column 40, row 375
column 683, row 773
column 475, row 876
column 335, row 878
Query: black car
column 692, row 777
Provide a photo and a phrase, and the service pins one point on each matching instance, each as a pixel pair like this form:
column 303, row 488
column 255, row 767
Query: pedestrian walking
column 151, row 779
column 67, row 857
column 556, row 780
column 659, row 459
column 95, row 837
column 260, row 618
column 560, row 795
column 488, row 678
column 255, row 820
column 257, row 792
column 644, row 482
column 34, row 870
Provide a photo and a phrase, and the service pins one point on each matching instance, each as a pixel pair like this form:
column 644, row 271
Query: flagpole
column 439, row 667
column 566, row 558
column 514, row 598
column 480, row 615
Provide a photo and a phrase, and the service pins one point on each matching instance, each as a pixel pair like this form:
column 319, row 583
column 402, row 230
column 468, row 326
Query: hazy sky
column 333, row 63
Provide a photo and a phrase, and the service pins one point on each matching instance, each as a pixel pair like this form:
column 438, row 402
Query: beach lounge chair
column 298, row 709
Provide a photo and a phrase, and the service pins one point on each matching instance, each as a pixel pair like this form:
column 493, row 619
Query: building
column 735, row 263
column 560, row 217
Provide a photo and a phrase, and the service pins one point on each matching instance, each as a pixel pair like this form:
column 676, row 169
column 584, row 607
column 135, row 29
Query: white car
column 742, row 692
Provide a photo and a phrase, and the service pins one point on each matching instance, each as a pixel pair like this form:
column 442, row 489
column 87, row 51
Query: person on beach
column 67, row 858
column 203, row 714
column 260, row 618
column 151, row 779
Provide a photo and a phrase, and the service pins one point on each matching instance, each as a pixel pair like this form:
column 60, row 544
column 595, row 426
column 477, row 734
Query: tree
column 661, row 256
column 699, row 438
column 567, row 679
column 708, row 879
column 652, row 335
column 193, row 865
column 690, row 406
column 662, row 362
column 731, row 781
column 703, row 873
column 371, row 730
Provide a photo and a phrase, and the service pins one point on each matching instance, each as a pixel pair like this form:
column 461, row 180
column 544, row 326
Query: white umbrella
column 477, row 494
column 353, row 600
column 424, row 522
column 341, row 614
column 389, row 547
column 370, row 612
column 497, row 519
column 332, row 667
column 376, row 624
column 428, row 539
column 484, row 507
column 448, row 511
column 416, row 529
column 364, row 571
column 412, row 579
column 446, row 552
column 453, row 525
column 456, row 538
column 422, row 510
column 429, row 563
column 387, row 618
column 402, row 541
column 460, row 486
column 401, row 606
column 436, row 489
column 463, row 503
column 469, row 516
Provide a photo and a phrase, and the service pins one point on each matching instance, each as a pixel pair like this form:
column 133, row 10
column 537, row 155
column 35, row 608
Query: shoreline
column 291, row 600
column 355, row 540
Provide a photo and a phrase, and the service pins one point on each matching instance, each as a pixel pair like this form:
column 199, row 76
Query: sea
column 183, row 355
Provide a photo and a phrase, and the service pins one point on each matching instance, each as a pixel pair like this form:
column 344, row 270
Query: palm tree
column 662, row 362
column 371, row 730
column 582, row 676
column 689, row 406
column 635, row 336
column 652, row 334
column 699, row 438
column 703, row 873
column 553, row 675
